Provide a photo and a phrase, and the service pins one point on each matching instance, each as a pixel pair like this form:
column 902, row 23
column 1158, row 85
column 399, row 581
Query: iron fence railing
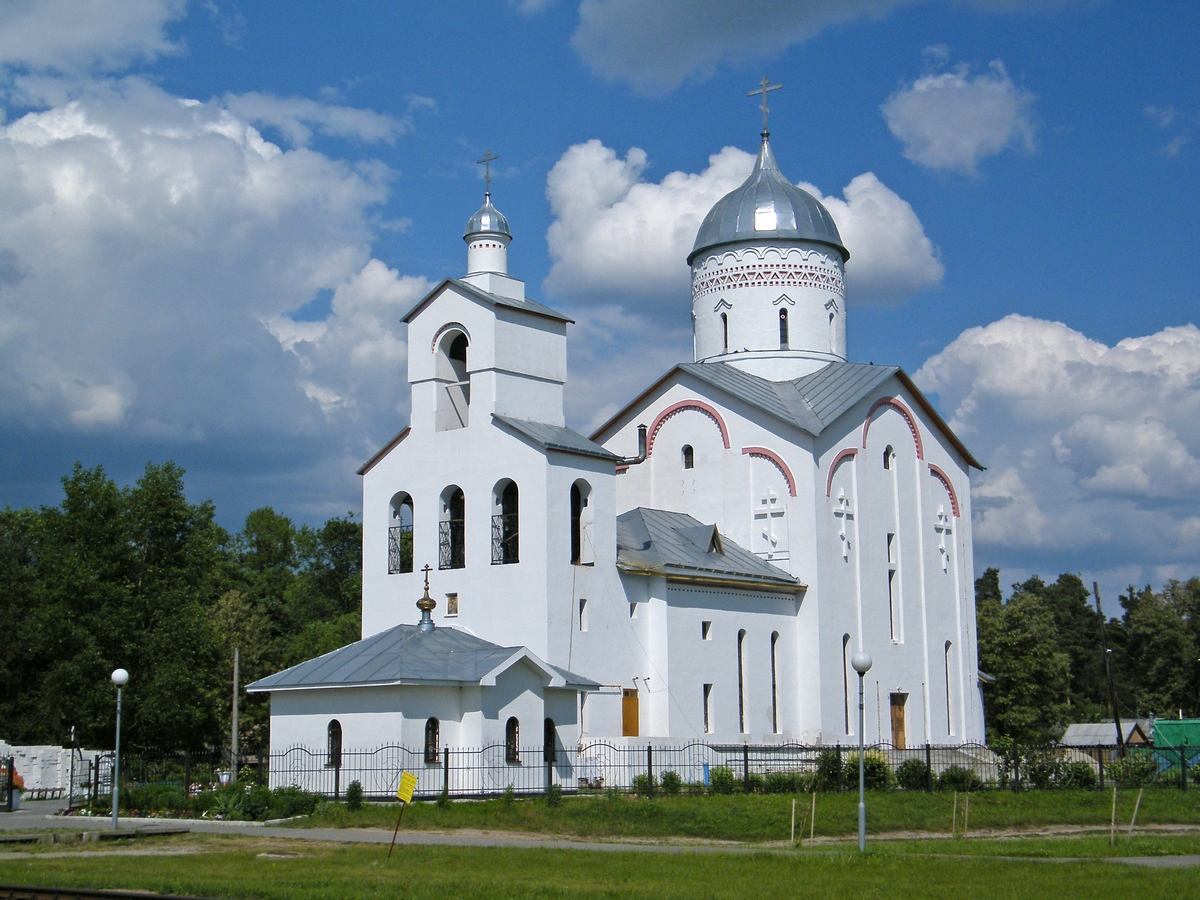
column 400, row 549
column 640, row 765
column 505, row 548
column 451, row 545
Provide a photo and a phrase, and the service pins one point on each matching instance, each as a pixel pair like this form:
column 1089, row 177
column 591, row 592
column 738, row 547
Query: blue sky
column 212, row 215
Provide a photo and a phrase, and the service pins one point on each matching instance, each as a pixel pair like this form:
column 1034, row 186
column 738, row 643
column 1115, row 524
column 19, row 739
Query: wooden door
column 899, row 733
column 629, row 712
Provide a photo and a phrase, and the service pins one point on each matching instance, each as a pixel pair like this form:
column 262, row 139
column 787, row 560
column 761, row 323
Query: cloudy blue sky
column 213, row 214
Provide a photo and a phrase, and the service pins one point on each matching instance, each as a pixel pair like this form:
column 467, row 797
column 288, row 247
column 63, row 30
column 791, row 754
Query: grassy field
column 767, row 817
column 251, row 868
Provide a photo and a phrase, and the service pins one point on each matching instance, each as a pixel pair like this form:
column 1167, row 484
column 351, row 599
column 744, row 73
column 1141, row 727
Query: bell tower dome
column 768, row 269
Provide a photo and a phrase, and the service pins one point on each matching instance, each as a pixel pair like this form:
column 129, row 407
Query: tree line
column 142, row 578
column 1044, row 652
column 139, row 577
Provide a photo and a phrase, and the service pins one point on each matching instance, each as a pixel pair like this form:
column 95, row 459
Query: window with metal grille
column 505, row 546
column 451, row 530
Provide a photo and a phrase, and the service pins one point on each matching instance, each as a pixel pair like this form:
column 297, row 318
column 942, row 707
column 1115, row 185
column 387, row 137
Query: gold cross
column 764, row 86
column 427, row 570
column 488, row 156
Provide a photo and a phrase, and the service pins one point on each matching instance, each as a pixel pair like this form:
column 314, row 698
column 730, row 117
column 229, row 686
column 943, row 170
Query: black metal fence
column 654, row 767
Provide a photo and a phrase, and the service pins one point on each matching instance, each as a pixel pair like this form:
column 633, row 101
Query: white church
column 703, row 566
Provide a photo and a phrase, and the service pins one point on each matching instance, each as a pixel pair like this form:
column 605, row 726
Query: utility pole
column 233, row 742
column 1112, row 690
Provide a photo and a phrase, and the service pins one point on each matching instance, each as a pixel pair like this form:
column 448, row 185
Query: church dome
column 767, row 207
column 487, row 220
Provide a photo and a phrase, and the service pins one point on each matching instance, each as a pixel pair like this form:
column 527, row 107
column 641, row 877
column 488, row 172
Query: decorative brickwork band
column 772, row 457
column 895, row 404
column 941, row 476
column 449, row 326
column 699, row 406
column 848, row 453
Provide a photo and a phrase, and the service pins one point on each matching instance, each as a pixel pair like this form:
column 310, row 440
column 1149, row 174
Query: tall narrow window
column 783, row 329
column 708, row 716
column 583, row 552
column 846, row 679
column 706, row 631
column 512, row 740
column 741, row 666
column 891, row 547
column 583, row 615
column 549, row 732
column 724, row 333
column 832, row 335
column 334, row 738
column 775, row 682
column 452, row 529
column 453, row 382
column 505, row 549
column 888, row 455
column 400, row 534
column 893, row 613
column 433, row 736
column 689, row 457
column 949, row 716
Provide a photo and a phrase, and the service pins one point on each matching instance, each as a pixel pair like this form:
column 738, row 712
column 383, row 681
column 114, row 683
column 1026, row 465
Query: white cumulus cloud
column 953, row 120
column 618, row 238
column 1093, row 452
column 296, row 117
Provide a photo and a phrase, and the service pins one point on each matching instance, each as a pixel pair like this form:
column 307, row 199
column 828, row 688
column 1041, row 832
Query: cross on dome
column 764, row 87
column 488, row 157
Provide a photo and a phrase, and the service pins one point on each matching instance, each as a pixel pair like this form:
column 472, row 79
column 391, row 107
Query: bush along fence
column 647, row 769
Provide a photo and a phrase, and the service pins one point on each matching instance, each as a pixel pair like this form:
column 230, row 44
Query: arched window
column 400, row 534
column 846, row 678
column 512, row 740
column 783, row 329
column 548, row 741
column 775, row 682
column 334, row 739
column 741, row 659
column 689, row 457
column 888, row 456
column 724, row 333
column 451, row 529
column 453, row 382
column 832, row 335
column 504, row 523
column 433, row 738
column 583, row 552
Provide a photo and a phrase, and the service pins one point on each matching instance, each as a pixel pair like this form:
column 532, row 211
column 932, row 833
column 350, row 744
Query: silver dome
column 767, row 205
column 487, row 220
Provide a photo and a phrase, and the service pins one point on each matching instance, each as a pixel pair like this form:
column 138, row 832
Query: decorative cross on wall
column 943, row 527
column 764, row 86
column 844, row 513
column 769, row 515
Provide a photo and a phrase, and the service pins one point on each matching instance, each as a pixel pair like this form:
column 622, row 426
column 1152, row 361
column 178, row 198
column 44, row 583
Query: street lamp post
column 120, row 678
column 862, row 664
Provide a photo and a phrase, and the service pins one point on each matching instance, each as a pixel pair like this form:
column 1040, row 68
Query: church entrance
column 629, row 712
column 899, row 732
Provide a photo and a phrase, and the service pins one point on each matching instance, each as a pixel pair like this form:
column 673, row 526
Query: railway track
column 17, row 892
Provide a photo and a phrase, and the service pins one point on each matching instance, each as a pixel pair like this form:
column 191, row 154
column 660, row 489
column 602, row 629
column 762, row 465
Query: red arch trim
column 700, row 406
column 895, row 404
column 449, row 326
column 772, row 457
column 848, row 453
column 941, row 476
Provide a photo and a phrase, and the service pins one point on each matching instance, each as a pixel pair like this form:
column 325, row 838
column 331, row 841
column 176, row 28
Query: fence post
column 8, row 784
column 746, row 767
column 839, row 766
column 928, row 770
column 446, row 769
column 337, row 782
column 1100, row 758
column 649, row 770
column 1016, row 769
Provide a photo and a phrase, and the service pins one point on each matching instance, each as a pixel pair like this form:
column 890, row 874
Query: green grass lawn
column 232, row 868
column 767, row 817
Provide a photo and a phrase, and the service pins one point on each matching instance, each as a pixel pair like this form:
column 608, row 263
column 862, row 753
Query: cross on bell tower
column 488, row 158
column 765, row 86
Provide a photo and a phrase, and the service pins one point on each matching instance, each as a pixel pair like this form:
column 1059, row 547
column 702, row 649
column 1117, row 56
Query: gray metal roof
column 487, row 220
column 1100, row 734
column 556, row 437
column 767, row 207
column 524, row 305
column 406, row 655
column 658, row 542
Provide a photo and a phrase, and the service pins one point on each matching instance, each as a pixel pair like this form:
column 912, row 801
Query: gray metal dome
column 487, row 220
column 767, row 206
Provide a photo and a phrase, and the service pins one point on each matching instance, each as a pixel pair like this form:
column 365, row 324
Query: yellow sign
column 408, row 784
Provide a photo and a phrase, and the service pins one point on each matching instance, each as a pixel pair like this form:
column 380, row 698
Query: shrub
column 913, row 775
column 877, row 774
column 782, row 782
column 1042, row 769
column 1135, row 770
column 287, row 802
column 354, row 796
column 644, row 785
column 256, row 802
column 757, row 784
column 671, row 782
column 720, row 780
column 229, row 802
column 1077, row 775
column 554, row 796
column 956, row 778
column 829, row 766
column 510, row 796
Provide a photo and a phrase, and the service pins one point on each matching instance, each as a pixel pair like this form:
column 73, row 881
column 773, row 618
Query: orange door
column 899, row 733
column 629, row 712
